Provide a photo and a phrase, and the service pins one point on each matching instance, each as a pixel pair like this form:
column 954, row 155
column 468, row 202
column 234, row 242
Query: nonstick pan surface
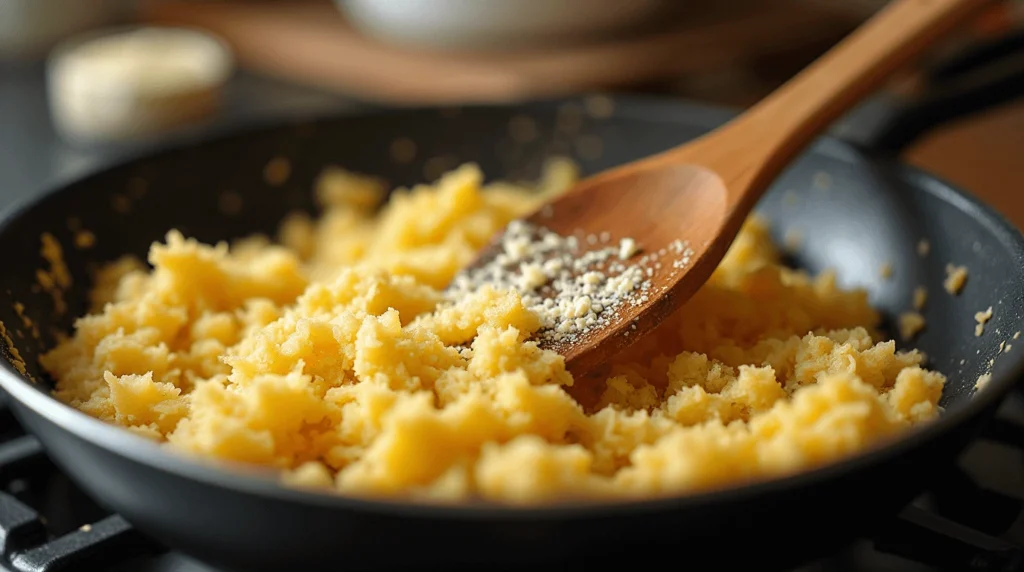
column 855, row 213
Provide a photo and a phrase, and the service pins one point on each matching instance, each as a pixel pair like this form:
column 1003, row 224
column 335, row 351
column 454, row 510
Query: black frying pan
column 875, row 212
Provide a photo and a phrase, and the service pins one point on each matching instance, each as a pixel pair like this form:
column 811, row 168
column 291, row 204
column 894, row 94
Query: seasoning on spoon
column 572, row 289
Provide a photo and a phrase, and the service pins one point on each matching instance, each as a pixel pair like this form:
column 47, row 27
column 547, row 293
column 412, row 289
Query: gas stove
column 969, row 517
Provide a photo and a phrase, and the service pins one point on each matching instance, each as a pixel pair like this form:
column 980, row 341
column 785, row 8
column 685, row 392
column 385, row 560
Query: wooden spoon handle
column 773, row 132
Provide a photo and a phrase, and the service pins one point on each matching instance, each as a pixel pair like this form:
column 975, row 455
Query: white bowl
column 498, row 24
column 134, row 82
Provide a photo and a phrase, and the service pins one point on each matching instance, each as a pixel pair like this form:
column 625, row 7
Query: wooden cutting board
column 310, row 42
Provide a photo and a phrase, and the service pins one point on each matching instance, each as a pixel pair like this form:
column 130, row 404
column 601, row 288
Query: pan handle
column 983, row 77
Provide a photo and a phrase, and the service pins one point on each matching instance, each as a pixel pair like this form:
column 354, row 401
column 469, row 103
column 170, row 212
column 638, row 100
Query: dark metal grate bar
column 928, row 538
column 109, row 539
column 1006, row 432
column 19, row 456
column 25, row 543
column 959, row 498
column 8, row 426
column 20, row 526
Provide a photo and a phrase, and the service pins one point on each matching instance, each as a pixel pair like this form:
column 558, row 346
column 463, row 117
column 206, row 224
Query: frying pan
column 873, row 212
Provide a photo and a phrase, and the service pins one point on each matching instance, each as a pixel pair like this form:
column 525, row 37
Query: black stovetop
column 970, row 518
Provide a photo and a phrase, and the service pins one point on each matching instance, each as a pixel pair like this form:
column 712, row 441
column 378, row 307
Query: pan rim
column 263, row 483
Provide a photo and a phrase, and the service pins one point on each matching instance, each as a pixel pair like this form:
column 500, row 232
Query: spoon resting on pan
column 671, row 217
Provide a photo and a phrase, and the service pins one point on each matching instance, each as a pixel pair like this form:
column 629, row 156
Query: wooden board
column 310, row 42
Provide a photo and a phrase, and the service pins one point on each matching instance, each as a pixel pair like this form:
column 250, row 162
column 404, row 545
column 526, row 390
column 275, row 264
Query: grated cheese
column 920, row 297
column 956, row 276
column 910, row 324
column 982, row 318
column 572, row 291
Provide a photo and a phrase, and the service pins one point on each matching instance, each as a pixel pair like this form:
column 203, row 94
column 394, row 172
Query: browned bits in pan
column 121, row 203
column 84, row 239
column 13, row 355
column 277, row 171
column 920, row 297
column 910, row 324
column 19, row 309
column 56, row 279
column 230, row 203
column 402, row 150
column 982, row 318
column 956, row 277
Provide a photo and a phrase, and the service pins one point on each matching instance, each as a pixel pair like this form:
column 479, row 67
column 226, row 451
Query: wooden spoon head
column 678, row 215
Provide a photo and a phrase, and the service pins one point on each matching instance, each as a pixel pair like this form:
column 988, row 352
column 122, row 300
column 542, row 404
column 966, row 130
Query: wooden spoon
column 702, row 191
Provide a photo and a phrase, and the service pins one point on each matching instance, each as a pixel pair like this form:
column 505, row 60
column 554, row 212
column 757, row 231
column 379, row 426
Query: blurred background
column 69, row 102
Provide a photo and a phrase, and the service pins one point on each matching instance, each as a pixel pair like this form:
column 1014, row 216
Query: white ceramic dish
column 498, row 24
column 134, row 82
